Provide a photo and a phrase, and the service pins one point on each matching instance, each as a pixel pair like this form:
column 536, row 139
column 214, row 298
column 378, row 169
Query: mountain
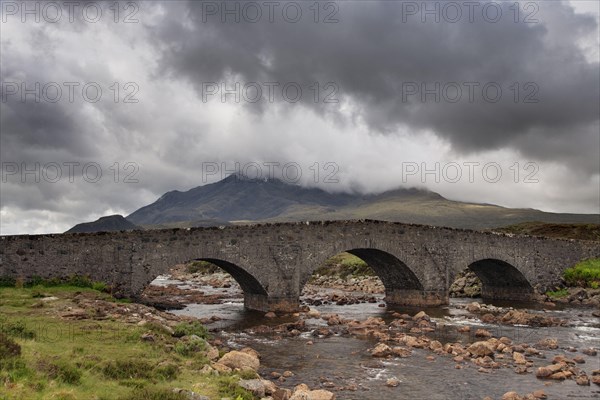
column 104, row 224
column 237, row 199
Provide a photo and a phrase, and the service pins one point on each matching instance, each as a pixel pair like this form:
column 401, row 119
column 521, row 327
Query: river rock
column 282, row 394
column 251, row 351
column 302, row 392
column 392, row 382
column 488, row 318
column 519, row 358
column 256, row 386
column 539, row 394
column 409, row 341
column 240, row 360
column 381, row 350
column 221, row 368
column 582, row 380
column 401, row 352
column 481, row 349
column 212, row 353
column 511, row 396
column 434, row 345
column 483, row 333
column 473, row 307
column 320, row 394
column 547, row 343
column 590, row 352
column 546, row 372
column 421, row 315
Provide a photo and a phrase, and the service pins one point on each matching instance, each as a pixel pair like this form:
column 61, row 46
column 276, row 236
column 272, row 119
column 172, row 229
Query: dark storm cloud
column 371, row 54
column 377, row 51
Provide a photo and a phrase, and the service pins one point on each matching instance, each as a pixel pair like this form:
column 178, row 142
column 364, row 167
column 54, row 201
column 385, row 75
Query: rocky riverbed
column 541, row 350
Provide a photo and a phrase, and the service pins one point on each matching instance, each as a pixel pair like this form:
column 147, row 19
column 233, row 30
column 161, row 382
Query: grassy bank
column 585, row 274
column 45, row 355
column 343, row 265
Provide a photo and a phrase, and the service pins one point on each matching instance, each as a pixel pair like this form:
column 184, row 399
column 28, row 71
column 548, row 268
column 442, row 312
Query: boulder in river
column 240, row 360
column 481, row 349
column 381, row 350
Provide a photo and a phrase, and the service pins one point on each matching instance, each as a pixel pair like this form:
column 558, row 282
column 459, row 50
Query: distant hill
column 104, row 224
column 237, row 199
column 563, row 231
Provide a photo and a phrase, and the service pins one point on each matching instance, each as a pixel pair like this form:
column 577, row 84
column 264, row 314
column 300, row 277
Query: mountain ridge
column 270, row 200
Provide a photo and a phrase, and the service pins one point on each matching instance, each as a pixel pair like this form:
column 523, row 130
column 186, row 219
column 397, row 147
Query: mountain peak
column 239, row 197
column 240, row 177
column 108, row 223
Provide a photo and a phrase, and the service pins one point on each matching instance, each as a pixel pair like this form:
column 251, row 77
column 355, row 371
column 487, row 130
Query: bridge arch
column 501, row 280
column 402, row 285
column 394, row 273
column 247, row 282
column 256, row 295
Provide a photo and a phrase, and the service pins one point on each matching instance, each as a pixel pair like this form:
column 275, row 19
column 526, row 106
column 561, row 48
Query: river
column 344, row 365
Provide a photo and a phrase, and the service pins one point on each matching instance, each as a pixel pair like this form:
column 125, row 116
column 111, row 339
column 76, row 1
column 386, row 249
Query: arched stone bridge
column 272, row 262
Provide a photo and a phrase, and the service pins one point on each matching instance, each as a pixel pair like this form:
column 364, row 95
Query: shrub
column 191, row 328
column 8, row 282
column 248, row 374
column 167, row 371
column 557, row 294
column 189, row 347
column 134, row 383
column 16, row 329
column 8, row 347
column 100, row 286
column 127, row 369
column 154, row 394
column 10, row 360
column 203, row 267
column 344, row 265
column 228, row 387
column 62, row 371
column 586, row 274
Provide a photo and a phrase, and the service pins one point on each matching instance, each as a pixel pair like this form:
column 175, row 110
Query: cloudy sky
column 104, row 108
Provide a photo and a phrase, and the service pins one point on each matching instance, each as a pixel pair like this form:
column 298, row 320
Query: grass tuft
column 585, row 274
column 191, row 328
column 557, row 294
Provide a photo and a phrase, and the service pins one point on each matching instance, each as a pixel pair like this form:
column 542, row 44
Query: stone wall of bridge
column 272, row 262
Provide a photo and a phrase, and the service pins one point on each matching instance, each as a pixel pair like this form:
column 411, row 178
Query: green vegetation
column 190, row 347
column 585, row 274
column 155, row 394
column 345, row 265
column 44, row 356
column 562, row 231
column 39, row 282
column 203, row 267
column 191, row 328
column 557, row 294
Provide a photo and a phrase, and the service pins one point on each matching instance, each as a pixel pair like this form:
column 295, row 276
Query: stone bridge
column 272, row 262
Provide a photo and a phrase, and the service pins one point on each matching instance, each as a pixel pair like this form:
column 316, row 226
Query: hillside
column 562, row 231
column 104, row 224
column 237, row 199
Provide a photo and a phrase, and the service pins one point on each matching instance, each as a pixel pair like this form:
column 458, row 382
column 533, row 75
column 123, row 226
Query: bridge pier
column 508, row 293
column 416, row 298
column 265, row 303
